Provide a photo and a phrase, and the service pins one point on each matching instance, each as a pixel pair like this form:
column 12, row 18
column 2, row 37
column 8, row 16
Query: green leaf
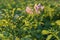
column 58, row 22
column 49, row 37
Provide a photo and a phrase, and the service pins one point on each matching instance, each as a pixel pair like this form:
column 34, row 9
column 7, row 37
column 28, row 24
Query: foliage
column 16, row 24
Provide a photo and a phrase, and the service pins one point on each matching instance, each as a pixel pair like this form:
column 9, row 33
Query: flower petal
column 29, row 10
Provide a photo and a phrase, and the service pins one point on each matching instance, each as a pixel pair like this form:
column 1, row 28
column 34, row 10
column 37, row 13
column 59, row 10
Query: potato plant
column 23, row 20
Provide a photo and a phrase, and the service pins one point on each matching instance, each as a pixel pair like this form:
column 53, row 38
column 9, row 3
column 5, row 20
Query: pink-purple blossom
column 37, row 9
column 29, row 10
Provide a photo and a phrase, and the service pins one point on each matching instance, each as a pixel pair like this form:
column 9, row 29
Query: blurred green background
column 16, row 24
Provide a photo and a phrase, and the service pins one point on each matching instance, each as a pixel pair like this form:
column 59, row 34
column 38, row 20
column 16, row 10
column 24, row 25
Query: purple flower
column 38, row 8
column 39, row 5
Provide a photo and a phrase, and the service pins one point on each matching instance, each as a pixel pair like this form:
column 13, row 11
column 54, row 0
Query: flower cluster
column 37, row 9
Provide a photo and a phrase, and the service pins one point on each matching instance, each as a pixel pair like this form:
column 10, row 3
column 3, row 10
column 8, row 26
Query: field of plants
column 29, row 19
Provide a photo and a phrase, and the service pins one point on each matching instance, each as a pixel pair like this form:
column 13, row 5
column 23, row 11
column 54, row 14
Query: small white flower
column 16, row 16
